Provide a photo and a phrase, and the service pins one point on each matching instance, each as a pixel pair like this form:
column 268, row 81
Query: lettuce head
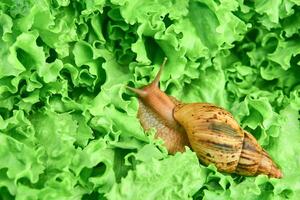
column 68, row 126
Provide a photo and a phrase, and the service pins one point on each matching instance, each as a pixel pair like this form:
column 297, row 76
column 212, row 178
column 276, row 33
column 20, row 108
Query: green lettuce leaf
column 155, row 180
column 68, row 126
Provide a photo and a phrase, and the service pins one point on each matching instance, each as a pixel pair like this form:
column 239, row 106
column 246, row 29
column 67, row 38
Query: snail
column 210, row 131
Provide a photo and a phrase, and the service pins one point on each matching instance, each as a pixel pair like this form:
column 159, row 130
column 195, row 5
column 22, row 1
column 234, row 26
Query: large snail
column 210, row 131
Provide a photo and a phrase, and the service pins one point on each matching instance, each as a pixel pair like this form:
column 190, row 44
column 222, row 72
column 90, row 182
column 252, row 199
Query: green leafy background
column 68, row 126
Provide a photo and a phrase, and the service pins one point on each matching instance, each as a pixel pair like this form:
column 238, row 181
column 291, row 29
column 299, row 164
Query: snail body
column 211, row 131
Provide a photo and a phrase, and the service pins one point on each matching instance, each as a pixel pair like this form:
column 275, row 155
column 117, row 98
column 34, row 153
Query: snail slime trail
column 211, row 131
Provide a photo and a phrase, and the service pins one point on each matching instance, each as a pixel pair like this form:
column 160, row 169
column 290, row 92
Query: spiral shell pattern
column 217, row 138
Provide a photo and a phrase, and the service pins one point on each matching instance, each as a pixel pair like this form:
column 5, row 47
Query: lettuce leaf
column 68, row 126
column 155, row 180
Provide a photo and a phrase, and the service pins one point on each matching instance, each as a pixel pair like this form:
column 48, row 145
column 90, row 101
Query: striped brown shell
column 217, row 138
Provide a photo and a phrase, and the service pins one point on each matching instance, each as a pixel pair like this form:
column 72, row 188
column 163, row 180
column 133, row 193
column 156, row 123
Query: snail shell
column 217, row 138
column 211, row 131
